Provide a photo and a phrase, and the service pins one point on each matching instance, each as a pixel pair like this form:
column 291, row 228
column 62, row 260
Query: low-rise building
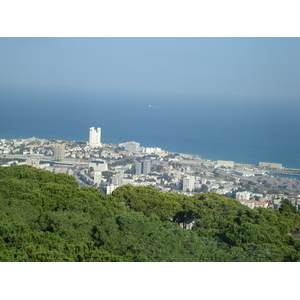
column 254, row 203
column 225, row 163
column 98, row 165
column 270, row 165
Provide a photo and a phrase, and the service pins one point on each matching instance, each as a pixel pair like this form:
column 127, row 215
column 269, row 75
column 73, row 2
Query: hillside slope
column 46, row 217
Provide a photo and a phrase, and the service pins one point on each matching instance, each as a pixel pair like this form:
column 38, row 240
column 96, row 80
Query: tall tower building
column 146, row 167
column 188, row 183
column 59, row 152
column 143, row 167
column 95, row 137
column 138, row 168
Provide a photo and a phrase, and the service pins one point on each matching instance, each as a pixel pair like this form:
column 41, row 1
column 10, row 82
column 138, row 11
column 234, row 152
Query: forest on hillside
column 46, row 217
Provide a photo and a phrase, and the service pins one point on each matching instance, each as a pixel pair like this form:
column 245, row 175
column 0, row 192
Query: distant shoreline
column 172, row 153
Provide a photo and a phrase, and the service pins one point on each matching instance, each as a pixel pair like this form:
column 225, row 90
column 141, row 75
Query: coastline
column 286, row 172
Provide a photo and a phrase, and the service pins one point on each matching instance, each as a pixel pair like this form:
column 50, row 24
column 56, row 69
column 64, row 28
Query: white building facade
column 59, row 152
column 95, row 137
column 117, row 179
column 225, row 163
column 188, row 183
column 97, row 177
column 98, row 165
column 242, row 195
column 131, row 146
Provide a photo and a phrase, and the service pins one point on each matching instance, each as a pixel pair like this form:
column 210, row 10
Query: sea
column 240, row 129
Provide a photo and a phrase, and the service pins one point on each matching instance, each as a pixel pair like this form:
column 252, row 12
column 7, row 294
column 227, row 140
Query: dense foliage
column 46, row 217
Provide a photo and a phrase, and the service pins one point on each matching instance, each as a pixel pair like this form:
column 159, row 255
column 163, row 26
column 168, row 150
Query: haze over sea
column 243, row 131
column 221, row 98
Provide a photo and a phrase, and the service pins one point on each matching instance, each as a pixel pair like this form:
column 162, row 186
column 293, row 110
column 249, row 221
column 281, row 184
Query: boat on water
column 151, row 106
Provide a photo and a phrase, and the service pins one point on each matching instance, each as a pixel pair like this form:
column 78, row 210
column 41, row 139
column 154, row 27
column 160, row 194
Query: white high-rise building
column 188, row 183
column 95, row 137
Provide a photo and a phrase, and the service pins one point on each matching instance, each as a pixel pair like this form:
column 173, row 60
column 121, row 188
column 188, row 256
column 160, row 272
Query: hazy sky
column 227, row 67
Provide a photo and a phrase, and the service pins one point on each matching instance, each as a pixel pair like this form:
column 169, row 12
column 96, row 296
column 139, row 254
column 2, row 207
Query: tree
column 46, row 217
column 216, row 173
column 204, row 188
column 107, row 174
column 287, row 207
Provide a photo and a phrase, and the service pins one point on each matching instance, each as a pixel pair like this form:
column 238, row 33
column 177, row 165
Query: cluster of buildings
column 108, row 166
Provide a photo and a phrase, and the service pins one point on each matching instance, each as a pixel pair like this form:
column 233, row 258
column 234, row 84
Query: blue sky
column 240, row 68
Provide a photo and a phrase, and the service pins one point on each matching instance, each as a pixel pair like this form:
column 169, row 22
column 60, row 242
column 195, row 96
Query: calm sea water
column 244, row 131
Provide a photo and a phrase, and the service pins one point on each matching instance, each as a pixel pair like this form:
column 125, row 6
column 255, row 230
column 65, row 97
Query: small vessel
column 151, row 106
